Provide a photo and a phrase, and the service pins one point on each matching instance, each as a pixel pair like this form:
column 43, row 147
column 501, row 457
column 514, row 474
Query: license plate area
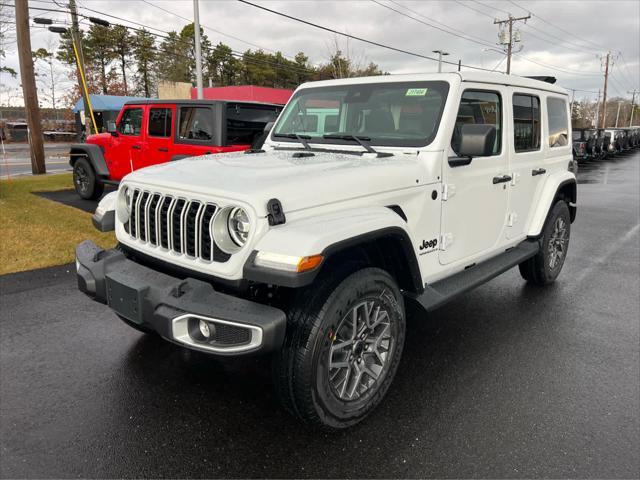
column 123, row 299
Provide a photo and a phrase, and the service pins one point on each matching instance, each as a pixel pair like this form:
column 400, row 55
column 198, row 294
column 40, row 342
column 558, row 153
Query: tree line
column 121, row 62
column 585, row 112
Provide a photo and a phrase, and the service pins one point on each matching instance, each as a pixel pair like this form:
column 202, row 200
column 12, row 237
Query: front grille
column 175, row 224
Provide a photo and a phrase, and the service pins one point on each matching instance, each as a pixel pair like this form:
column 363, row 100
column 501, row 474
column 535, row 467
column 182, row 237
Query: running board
column 437, row 294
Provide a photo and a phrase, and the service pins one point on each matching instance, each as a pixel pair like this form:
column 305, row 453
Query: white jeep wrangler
column 368, row 193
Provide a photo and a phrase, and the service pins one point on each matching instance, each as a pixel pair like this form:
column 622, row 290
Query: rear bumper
column 173, row 307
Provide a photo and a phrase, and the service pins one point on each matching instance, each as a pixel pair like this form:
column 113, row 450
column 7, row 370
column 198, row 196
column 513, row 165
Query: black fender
column 93, row 153
column 396, row 246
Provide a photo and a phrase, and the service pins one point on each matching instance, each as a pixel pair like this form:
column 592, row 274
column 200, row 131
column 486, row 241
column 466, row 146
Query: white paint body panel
column 331, row 197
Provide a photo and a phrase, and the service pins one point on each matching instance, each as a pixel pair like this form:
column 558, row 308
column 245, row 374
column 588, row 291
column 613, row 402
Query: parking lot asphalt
column 16, row 158
column 508, row 381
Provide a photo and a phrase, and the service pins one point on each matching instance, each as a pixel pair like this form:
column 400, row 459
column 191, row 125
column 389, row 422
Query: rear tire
column 85, row 180
column 330, row 372
column 545, row 266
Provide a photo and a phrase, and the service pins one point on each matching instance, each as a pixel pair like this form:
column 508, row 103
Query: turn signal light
column 309, row 263
column 288, row 263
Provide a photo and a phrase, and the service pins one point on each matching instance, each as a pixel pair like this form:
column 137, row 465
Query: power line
column 484, row 43
column 573, row 35
column 236, row 54
column 212, row 29
column 566, row 43
column 360, row 39
column 464, row 37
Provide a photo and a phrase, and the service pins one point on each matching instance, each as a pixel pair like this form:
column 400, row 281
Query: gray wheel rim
column 557, row 243
column 81, row 178
column 360, row 350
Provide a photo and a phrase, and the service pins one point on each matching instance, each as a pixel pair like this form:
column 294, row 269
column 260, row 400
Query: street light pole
column 440, row 53
column 196, row 25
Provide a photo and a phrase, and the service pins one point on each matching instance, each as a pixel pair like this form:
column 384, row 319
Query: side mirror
column 476, row 140
column 111, row 128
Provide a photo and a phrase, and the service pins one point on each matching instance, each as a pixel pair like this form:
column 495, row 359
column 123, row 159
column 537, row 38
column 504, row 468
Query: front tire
column 85, row 180
column 343, row 345
column 545, row 266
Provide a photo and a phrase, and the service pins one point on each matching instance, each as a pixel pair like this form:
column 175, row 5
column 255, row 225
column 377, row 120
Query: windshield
column 402, row 114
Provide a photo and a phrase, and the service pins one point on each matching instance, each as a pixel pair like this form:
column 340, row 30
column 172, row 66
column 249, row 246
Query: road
column 509, row 381
column 16, row 159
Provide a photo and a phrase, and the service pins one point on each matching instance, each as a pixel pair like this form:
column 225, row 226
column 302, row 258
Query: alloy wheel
column 557, row 243
column 361, row 349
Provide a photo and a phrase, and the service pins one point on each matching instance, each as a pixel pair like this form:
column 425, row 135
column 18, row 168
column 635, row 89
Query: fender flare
column 94, row 155
column 330, row 235
column 550, row 192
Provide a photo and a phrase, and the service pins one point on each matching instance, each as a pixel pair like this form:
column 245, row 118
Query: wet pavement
column 508, row 381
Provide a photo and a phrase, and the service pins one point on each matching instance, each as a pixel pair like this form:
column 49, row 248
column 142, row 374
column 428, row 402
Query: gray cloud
column 607, row 25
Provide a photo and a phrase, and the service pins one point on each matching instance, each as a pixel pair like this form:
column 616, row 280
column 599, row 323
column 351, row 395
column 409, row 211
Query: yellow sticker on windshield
column 416, row 92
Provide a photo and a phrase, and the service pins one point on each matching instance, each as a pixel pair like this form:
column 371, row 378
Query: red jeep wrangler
column 149, row 132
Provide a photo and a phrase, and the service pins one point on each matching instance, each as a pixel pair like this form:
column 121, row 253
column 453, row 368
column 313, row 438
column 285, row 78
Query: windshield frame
column 442, row 85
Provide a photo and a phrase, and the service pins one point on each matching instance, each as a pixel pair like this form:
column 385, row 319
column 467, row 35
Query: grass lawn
column 36, row 232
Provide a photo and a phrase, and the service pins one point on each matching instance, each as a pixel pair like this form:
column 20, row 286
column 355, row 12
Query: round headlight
column 239, row 226
column 230, row 229
column 123, row 207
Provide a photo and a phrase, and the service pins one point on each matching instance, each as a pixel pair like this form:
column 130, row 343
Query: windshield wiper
column 301, row 138
column 363, row 141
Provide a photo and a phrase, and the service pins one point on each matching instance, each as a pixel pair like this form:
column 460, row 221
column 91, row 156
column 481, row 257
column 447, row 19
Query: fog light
column 204, row 329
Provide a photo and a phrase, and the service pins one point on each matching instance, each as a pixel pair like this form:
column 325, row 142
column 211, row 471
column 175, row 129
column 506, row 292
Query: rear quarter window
column 558, row 122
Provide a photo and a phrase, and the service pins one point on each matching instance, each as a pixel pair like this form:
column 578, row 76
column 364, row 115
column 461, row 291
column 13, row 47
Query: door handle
column 136, row 147
column 539, row 171
column 163, row 149
column 502, row 179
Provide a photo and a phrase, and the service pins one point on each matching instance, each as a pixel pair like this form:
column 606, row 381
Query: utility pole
column 29, row 91
column 459, row 64
column 77, row 46
column 633, row 104
column 598, row 111
column 196, row 26
column 608, row 64
column 510, row 21
column 441, row 53
column 618, row 114
column 573, row 96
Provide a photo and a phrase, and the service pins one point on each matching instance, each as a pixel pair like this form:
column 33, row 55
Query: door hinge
column 446, row 241
column 448, row 191
column 515, row 178
column 512, row 218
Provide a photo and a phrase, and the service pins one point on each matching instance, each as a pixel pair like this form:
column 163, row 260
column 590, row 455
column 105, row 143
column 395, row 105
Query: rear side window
column 245, row 122
column 558, row 123
column 131, row 122
column 526, row 122
column 160, row 122
column 479, row 107
column 196, row 123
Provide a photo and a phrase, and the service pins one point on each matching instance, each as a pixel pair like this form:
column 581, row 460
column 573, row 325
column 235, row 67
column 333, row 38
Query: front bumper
column 173, row 307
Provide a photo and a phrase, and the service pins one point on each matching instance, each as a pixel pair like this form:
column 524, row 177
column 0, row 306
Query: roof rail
column 550, row 80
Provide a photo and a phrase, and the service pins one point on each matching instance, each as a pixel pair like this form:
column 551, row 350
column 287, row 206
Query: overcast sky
column 600, row 26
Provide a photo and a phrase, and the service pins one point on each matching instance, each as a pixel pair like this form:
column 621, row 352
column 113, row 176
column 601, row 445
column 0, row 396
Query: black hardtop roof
column 205, row 101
